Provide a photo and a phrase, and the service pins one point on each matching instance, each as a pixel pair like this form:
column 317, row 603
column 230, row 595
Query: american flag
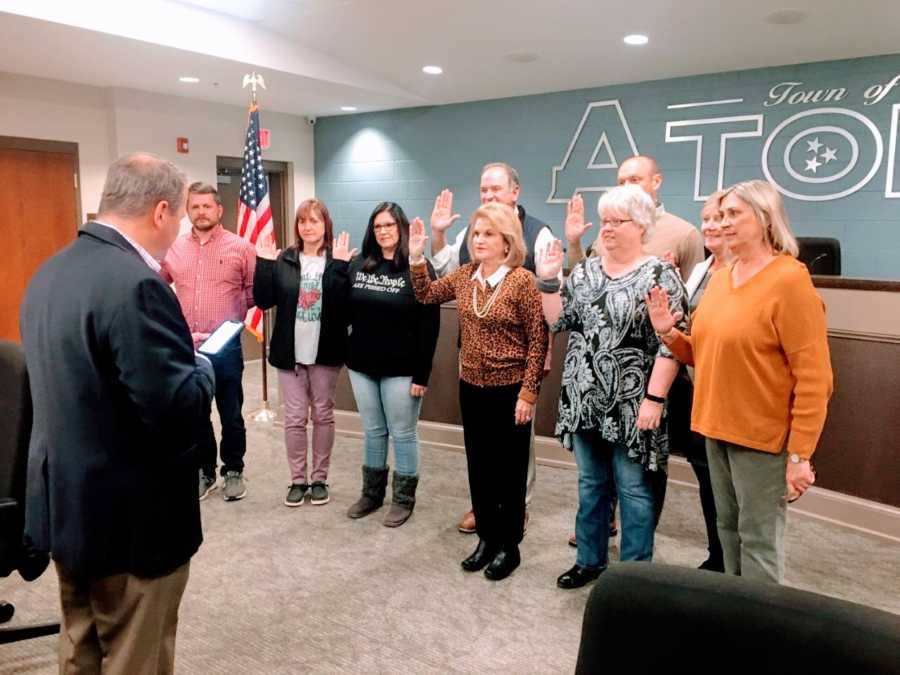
column 254, row 212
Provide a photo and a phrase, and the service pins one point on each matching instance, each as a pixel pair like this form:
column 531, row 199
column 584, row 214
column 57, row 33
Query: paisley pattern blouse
column 611, row 351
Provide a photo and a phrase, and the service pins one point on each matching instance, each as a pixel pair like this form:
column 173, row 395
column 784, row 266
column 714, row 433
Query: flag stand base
column 264, row 414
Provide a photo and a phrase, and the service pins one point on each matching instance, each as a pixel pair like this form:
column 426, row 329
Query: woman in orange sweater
column 762, row 377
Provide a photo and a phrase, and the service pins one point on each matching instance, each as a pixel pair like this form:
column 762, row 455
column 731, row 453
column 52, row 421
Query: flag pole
column 265, row 413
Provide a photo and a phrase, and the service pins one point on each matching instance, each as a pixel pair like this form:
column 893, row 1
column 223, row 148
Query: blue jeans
column 599, row 462
column 387, row 409
column 228, row 365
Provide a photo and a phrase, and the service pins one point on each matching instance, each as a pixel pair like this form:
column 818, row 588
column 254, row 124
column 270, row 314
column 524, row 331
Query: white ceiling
column 318, row 55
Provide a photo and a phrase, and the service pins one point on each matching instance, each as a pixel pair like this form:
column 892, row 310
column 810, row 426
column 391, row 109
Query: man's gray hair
column 200, row 188
column 136, row 183
column 511, row 173
column 632, row 200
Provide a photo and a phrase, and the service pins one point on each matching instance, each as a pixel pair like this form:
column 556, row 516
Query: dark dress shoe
column 711, row 565
column 481, row 556
column 577, row 577
column 503, row 564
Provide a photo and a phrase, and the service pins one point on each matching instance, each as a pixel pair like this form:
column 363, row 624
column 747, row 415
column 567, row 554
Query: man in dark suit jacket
column 118, row 395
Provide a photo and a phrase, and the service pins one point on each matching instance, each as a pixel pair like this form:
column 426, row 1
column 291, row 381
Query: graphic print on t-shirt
column 379, row 282
column 309, row 300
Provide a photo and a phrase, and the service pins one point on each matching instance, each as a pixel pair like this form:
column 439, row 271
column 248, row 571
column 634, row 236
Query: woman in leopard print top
column 504, row 344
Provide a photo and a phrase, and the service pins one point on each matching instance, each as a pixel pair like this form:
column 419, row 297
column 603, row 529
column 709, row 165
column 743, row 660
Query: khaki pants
column 750, row 491
column 120, row 624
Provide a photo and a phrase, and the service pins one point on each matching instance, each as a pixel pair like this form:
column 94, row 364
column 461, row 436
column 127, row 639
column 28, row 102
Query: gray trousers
column 750, row 491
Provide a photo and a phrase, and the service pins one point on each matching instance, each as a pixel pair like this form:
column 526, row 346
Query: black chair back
column 15, row 420
column 821, row 255
column 653, row 619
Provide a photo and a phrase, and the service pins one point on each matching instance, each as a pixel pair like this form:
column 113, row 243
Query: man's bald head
column 641, row 170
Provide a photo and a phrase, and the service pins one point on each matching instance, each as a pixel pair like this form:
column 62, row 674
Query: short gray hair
column 632, row 200
column 511, row 173
column 136, row 183
column 201, row 188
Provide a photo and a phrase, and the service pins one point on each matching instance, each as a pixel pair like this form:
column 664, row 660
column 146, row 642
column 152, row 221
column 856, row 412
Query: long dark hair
column 371, row 251
column 303, row 212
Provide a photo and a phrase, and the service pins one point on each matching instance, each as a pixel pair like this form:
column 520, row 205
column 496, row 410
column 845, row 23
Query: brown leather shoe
column 467, row 524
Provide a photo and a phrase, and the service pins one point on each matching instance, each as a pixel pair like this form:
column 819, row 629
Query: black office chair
column 651, row 619
column 16, row 554
column 821, row 255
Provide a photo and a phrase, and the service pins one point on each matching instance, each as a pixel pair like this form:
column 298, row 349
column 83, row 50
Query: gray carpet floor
column 306, row 590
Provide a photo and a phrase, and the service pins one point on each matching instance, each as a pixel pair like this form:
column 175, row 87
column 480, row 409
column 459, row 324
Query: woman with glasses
column 392, row 343
column 616, row 377
column 762, row 377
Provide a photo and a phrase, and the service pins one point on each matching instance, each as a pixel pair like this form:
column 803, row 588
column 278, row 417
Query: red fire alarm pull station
column 264, row 139
column 182, row 145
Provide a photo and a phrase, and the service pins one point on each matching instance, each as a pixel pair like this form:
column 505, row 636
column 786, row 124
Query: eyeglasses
column 384, row 227
column 615, row 222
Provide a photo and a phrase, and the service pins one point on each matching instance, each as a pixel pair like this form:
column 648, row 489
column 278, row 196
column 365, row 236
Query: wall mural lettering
column 815, row 155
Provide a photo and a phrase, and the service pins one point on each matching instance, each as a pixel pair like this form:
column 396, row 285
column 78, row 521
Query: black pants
column 497, row 457
column 228, row 365
column 693, row 446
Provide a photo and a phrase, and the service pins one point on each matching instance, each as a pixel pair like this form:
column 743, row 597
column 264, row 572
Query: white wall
column 108, row 123
column 59, row 111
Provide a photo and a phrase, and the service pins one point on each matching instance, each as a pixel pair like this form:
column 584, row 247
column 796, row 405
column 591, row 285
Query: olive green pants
column 750, row 490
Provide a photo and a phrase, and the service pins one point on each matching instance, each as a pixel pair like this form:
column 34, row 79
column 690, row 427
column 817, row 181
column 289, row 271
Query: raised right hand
column 658, row 309
column 340, row 249
column 266, row 248
column 417, row 239
column 575, row 225
column 441, row 218
column 549, row 262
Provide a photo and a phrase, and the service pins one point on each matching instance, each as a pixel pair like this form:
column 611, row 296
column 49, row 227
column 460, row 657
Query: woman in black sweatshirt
column 391, row 345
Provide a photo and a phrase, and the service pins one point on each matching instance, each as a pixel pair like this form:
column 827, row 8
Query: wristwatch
column 794, row 458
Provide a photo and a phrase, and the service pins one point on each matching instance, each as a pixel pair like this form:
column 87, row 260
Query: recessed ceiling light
column 349, row 108
column 636, row 39
column 189, row 80
column 433, row 70
column 786, row 17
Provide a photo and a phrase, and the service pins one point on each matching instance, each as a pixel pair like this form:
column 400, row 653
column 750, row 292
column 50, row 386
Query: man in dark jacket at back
column 118, row 396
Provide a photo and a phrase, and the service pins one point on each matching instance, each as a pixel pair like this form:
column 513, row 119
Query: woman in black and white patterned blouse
column 615, row 378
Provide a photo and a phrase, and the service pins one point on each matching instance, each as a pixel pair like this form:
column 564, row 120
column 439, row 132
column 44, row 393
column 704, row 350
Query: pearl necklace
column 483, row 311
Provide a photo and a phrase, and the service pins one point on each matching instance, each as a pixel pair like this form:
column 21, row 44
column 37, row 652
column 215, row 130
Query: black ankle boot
column 503, row 564
column 481, row 556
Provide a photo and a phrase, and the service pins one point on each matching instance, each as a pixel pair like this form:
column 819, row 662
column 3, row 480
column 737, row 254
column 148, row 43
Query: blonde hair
column 768, row 208
column 715, row 199
column 505, row 220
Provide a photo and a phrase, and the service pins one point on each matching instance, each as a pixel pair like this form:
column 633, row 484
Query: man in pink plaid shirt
column 212, row 270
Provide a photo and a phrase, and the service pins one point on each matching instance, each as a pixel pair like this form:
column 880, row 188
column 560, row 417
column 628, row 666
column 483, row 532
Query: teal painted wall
column 829, row 141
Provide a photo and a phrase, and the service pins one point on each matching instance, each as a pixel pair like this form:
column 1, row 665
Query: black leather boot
column 503, row 564
column 481, row 556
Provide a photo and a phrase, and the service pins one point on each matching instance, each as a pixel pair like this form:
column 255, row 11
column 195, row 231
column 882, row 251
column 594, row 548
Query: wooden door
column 38, row 217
